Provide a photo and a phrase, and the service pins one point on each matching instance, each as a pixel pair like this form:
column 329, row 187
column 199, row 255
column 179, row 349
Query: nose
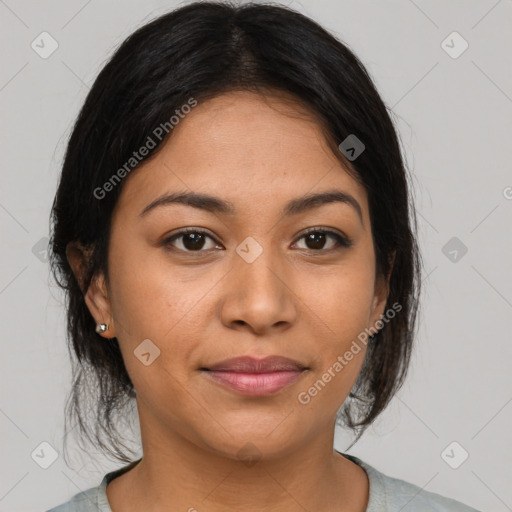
column 259, row 296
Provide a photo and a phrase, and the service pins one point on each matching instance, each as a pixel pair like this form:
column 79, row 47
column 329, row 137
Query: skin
column 296, row 299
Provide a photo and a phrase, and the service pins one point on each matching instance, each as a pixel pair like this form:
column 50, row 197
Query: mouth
column 255, row 377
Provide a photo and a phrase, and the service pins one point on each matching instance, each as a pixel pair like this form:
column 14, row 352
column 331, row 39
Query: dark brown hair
column 201, row 50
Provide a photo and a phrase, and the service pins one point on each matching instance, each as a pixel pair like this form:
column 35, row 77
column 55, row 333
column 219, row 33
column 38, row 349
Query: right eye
column 192, row 240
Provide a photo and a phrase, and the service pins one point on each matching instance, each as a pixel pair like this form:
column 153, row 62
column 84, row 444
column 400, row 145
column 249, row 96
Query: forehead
column 245, row 147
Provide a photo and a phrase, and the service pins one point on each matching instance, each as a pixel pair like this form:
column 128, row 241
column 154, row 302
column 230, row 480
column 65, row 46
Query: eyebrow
column 214, row 204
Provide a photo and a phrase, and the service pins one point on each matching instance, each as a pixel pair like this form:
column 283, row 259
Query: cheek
column 147, row 298
column 343, row 301
column 342, row 305
column 150, row 301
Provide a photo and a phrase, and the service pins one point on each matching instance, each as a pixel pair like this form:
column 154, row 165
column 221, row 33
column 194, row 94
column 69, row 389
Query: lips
column 255, row 377
column 247, row 364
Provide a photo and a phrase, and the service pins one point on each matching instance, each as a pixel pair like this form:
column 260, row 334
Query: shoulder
column 392, row 495
column 93, row 499
column 85, row 501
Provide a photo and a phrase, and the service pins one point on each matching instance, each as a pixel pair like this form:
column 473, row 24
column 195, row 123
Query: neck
column 178, row 474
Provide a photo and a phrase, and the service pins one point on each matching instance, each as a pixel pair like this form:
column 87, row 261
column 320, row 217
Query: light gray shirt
column 387, row 494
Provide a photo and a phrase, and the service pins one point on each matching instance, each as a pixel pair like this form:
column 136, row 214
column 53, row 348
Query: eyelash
column 343, row 242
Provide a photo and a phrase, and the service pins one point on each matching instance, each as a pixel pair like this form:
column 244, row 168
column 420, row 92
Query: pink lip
column 256, row 377
column 255, row 384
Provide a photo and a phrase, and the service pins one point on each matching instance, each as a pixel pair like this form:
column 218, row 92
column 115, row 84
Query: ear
column 96, row 295
column 381, row 293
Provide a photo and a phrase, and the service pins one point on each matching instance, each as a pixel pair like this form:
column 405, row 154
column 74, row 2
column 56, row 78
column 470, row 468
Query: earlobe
column 98, row 302
column 96, row 294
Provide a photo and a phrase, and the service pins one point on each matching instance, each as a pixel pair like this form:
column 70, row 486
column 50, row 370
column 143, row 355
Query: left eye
column 317, row 237
column 193, row 240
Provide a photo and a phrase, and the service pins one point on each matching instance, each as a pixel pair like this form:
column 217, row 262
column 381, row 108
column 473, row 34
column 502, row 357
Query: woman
column 234, row 231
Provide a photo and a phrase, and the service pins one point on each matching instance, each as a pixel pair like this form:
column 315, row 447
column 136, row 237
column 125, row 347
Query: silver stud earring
column 101, row 328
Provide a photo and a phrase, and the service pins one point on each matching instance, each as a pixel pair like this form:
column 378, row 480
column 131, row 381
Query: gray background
column 454, row 117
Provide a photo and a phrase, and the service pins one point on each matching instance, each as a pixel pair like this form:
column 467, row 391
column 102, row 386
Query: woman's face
column 253, row 285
